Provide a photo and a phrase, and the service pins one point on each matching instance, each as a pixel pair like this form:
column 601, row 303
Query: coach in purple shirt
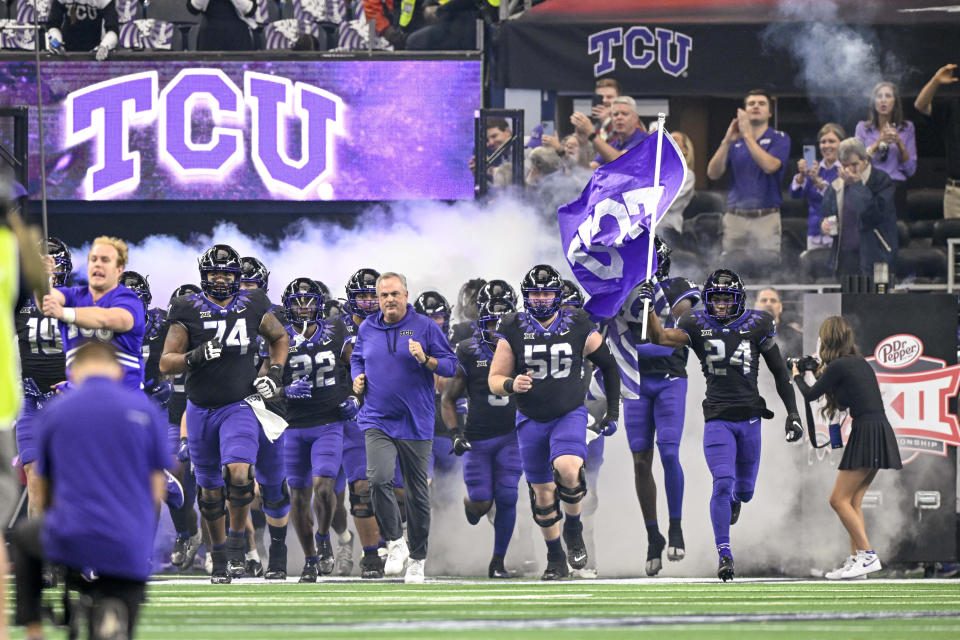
column 393, row 363
column 755, row 154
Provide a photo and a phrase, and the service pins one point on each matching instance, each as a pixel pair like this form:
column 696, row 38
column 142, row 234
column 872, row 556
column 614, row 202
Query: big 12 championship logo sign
column 105, row 113
column 916, row 392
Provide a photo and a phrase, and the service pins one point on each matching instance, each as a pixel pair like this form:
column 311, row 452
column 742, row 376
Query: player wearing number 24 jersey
column 729, row 340
column 212, row 336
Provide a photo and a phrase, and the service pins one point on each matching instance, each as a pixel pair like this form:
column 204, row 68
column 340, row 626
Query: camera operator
column 850, row 385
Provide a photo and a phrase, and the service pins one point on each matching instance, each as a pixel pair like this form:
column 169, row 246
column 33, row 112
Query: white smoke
column 838, row 64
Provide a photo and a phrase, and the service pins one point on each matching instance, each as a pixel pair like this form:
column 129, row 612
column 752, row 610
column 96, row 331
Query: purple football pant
column 26, row 423
column 314, row 452
column 269, row 465
column 492, row 468
column 732, row 450
column 660, row 411
column 543, row 442
column 221, row 436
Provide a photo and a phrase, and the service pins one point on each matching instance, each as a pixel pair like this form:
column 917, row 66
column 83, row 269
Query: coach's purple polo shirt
column 633, row 140
column 750, row 187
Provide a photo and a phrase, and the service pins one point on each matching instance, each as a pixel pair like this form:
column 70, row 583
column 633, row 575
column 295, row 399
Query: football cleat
column 735, row 512
column 219, row 573
column 325, row 552
column 371, row 568
column 496, row 569
column 675, row 547
column 343, row 562
column 397, row 555
column 220, row 577
column 655, row 547
column 309, row 573
column 414, row 574
column 556, row 569
column 253, row 568
column 576, row 547
column 865, row 562
column 725, row 570
column 585, row 574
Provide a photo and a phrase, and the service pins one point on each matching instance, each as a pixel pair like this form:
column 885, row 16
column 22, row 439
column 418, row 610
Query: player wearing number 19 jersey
column 42, row 364
column 212, row 338
column 539, row 357
column 729, row 340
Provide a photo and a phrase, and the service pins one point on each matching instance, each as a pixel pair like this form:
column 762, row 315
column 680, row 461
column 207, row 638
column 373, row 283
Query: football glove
column 299, row 389
column 794, row 428
column 161, row 391
column 183, row 452
column 460, row 443
column 269, row 386
column 349, row 408
column 462, row 406
column 209, row 350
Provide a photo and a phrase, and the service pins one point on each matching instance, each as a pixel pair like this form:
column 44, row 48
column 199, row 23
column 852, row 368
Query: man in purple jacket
column 394, row 360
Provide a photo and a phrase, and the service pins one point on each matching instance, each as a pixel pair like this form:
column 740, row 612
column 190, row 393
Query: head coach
column 394, row 360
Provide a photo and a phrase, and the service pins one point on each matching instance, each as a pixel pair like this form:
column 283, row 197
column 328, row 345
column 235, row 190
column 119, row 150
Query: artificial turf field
column 187, row 609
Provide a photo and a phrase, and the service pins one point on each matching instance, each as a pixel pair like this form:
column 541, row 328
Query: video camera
column 804, row 363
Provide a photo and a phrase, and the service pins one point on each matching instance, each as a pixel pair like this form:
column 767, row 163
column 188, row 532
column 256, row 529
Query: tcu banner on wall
column 252, row 130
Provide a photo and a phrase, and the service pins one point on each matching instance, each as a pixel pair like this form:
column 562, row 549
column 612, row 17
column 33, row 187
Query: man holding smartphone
column 628, row 132
column 605, row 91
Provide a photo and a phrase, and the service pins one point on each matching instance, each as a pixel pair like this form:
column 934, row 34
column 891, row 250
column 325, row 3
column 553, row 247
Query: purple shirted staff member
column 102, row 449
column 393, row 361
column 729, row 339
column 539, row 357
column 755, row 154
column 212, row 336
column 104, row 310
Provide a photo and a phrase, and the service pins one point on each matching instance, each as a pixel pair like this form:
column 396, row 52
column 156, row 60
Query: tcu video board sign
column 254, row 130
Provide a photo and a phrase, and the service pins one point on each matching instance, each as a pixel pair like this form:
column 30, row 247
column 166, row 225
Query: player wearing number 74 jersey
column 729, row 340
column 212, row 336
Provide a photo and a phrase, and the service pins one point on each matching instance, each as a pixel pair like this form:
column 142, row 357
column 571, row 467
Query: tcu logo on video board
column 641, row 48
column 106, row 111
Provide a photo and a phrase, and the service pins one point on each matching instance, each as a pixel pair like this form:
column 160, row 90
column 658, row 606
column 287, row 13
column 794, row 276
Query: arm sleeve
column 829, row 206
column 356, row 358
column 875, row 208
column 129, row 301
column 780, row 149
column 160, row 457
column 826, row 383
column 781, row 376
column 197, row 6
column 55, row 19
column 440, row 349
column 909, row 137
column 604, row 361
column 111, row 24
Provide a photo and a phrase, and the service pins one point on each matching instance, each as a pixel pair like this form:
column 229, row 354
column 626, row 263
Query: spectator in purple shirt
column 755, row 154
column 811, row 182
column 628, row 132
column 890, row 140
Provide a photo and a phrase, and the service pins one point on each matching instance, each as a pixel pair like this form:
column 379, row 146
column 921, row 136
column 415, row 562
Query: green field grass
column 197, row 610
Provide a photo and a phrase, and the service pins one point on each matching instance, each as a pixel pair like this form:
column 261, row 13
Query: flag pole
column 661, row 119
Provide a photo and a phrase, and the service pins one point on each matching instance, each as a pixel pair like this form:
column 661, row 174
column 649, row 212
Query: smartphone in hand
column 549, row 129
column 596, row 100
column 810, row 156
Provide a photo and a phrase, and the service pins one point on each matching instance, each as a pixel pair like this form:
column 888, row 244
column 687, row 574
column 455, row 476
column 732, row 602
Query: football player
column 210, row 337
column 488, row 442
column 42, row 366
column 653, row 381
column 539, row 357
column 189, row 536
column 729, row 340
column 361, row 302
column 466, row 310
column 442, row 459
column 104, row 310
column 274, row 505
column 318, row 400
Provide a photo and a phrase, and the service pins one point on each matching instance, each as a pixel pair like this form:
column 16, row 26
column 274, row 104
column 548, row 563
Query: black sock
column 653, row 529
column 675, row 524
column 278, row 535
column 554, row 550
column 572, row 524
column 371, row 551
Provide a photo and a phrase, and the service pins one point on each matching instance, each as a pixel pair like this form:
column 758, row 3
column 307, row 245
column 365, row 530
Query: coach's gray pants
column 383, row 452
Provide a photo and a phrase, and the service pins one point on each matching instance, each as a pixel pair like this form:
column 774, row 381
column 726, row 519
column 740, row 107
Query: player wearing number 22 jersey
column 729, row 340
column 539, row 357
column 212, row 336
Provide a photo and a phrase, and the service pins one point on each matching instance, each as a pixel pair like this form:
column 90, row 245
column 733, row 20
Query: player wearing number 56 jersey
column 539, row 358
column 729, row 340
column 212, row 336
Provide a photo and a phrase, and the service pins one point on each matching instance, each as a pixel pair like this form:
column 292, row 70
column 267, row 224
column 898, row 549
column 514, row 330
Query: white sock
column 253, row 555
column 345, row 538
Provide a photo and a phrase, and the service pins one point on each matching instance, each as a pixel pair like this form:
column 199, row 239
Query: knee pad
column 211, row 508
column 575, row 494
column 239, row 495
column 723, row 486
column 544, row 516
column 669, row 454
column 276, row 499
column 361, row 506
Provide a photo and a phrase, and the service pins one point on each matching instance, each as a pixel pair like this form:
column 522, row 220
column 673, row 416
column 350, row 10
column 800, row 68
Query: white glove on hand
column 101, row 53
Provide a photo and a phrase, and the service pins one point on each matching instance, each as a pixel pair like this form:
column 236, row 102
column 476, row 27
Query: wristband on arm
column 508, row 386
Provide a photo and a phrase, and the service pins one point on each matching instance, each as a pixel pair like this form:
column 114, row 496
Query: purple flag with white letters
column 606, row 231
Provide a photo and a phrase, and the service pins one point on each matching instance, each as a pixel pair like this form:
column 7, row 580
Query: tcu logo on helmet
column 105, row 113
column 640, row 47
